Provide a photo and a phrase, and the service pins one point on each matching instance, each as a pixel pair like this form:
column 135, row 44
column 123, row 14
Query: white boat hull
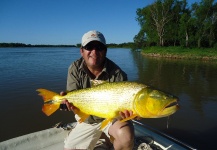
column 52, row 139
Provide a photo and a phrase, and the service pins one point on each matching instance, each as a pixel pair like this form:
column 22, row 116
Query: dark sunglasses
column 98, row 47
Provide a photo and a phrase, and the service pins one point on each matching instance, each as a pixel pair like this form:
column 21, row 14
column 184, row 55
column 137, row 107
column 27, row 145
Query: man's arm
column 72, row 78
column 72, row 84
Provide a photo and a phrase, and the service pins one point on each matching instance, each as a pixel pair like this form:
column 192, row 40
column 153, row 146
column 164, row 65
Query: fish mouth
column 171, row 104
column 170, row 108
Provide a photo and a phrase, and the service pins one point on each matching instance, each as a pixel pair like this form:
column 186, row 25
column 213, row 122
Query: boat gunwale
column 178, row 142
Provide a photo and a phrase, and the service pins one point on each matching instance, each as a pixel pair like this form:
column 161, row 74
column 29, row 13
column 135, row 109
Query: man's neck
column 95, row 72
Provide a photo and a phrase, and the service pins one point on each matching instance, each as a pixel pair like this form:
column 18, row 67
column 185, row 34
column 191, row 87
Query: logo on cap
column 93, row 35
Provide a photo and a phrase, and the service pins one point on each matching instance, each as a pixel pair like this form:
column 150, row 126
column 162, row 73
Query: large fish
column 106, row 100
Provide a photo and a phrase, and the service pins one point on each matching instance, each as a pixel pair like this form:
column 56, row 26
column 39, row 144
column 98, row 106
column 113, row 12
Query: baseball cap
column 93, row 36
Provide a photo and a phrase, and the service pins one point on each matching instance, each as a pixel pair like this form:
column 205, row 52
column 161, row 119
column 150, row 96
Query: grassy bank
column 181, row 53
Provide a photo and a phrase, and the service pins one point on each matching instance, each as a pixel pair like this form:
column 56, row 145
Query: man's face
column 94, row 54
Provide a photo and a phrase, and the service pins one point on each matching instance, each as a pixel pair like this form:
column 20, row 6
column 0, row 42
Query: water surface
column 23, row 70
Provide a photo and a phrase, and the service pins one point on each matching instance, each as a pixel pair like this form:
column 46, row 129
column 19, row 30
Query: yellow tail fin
column 48, row 108
column 46, row 94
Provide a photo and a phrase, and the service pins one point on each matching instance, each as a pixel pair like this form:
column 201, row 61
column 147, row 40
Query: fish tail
column 49, row 106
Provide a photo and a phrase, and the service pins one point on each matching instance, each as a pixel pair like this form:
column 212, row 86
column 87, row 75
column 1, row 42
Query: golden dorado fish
column 106, row 100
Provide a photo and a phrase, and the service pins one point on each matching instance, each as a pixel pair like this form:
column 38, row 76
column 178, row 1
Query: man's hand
column 65, row 105
column 127, row 113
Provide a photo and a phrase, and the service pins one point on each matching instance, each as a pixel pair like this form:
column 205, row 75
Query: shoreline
column 175, row 56
column 204, row 54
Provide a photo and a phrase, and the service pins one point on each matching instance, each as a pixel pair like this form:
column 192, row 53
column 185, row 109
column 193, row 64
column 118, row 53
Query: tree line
column 174, row 23
column 29, row 45
column 111, row 45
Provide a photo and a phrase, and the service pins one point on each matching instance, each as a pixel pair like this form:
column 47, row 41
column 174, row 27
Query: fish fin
column 82, row 115
column 48, row 108
column 105, row 123
column 46, row 94
column 129, row 118
column 97, row 82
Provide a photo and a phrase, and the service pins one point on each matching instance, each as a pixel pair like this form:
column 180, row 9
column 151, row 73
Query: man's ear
column 81, row 50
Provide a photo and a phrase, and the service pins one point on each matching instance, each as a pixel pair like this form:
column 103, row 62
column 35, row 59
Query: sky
column 59, row 22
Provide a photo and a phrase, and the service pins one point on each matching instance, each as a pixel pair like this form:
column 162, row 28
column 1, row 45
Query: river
column 23, row 70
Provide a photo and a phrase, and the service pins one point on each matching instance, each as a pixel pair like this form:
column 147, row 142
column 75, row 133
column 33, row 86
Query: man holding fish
column 94, row 65
column 108, row 103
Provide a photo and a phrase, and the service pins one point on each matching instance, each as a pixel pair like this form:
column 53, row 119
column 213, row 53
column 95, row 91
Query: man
column 94, row 65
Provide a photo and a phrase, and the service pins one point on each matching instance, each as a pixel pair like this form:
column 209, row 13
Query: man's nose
column 94, row 50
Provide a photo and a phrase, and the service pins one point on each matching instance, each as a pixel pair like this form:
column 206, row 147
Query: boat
column 146, row 138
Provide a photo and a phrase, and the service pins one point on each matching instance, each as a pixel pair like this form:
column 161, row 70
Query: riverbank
column 181, row 53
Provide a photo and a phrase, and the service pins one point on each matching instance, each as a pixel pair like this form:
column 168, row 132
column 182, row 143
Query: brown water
column 23, row 70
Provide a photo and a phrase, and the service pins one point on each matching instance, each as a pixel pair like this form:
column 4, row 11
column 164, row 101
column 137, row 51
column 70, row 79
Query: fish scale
column 105, row 103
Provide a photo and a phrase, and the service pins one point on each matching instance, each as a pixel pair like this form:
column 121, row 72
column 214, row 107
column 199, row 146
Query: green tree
column 161, row 14
column 184, row 30
column 160, row 22
column 204, row 14
column 212, row 36
column 147, row 33
column 172, row 22
column 172, row 29
column 186, row 27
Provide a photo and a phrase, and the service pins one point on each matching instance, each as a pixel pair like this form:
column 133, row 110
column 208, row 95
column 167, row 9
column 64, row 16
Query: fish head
column 151, row 103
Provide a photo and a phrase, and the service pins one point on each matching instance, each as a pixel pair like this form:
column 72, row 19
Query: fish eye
column 160, row 95
column 156, row 94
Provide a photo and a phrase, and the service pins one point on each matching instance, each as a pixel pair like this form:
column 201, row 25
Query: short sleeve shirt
column 79, row 78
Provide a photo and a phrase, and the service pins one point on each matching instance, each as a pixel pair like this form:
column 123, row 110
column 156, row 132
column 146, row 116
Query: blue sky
column 65, row 21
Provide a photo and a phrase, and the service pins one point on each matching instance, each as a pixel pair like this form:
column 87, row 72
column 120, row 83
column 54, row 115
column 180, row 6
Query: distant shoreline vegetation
column 29, row 45
column 111, row 45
